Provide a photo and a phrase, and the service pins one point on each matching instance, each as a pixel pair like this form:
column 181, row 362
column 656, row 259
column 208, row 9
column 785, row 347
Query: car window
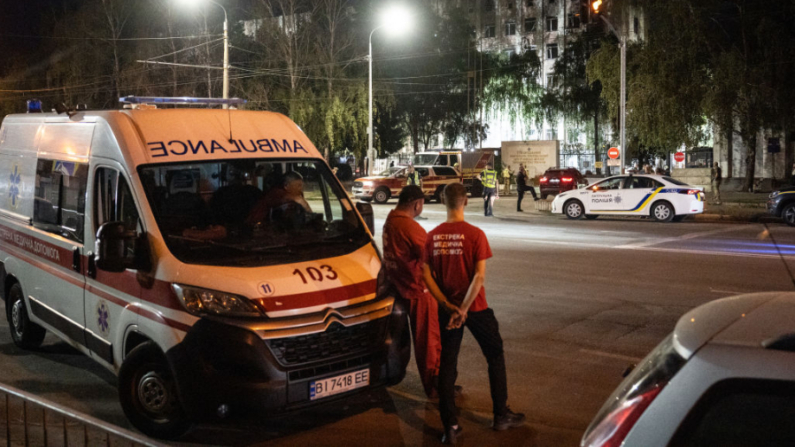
column 60, row 198
column 423, row 171
column 741, row 412
column 641, row 183
column 444, row 170
column 113, row 200
column 611, row 183
column 674, row 181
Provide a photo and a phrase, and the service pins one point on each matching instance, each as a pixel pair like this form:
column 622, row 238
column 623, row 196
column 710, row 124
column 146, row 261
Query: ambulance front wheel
column 25, row 333
column 148, row 394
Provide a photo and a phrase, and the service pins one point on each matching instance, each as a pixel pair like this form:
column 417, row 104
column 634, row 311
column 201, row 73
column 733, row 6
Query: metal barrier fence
column 28, row 420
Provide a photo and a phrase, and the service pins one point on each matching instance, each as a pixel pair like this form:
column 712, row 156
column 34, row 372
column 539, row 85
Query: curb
column 753, row 218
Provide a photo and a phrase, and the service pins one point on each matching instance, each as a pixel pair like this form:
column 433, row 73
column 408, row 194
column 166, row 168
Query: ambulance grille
column 357, row 184
column 336, row 341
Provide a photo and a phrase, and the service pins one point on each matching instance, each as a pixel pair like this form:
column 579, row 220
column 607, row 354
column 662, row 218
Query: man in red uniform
column 455, row 271
column 404, row 245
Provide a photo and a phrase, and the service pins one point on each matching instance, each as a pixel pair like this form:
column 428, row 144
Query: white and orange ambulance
column 208, row 257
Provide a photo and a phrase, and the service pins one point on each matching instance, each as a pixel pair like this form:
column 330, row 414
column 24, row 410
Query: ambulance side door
column 111, row 298
column 56, row 294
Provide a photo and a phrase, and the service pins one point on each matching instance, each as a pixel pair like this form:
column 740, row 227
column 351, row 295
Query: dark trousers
column 484, row 327
column 488, row 200
column 521, row 189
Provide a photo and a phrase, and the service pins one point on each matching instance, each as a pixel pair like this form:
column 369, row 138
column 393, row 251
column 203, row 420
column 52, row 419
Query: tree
column 726, row 61
column 575, row 97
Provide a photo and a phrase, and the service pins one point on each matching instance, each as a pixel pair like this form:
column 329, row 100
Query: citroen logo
column 332, row 316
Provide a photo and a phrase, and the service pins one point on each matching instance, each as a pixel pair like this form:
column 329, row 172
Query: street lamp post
column 226, row 50
column 370, row 154
column 396, row 18
column 622, row 101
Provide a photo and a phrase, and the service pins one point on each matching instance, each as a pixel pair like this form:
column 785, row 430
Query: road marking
column 548, row 242
column 611, row 355
column 710, row 252
column 684, row 237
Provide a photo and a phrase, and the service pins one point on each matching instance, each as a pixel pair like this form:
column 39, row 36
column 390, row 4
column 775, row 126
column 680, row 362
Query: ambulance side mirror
column 366, row 210
column 118, row 249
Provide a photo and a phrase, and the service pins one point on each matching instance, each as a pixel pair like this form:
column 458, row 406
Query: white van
column 177, row 249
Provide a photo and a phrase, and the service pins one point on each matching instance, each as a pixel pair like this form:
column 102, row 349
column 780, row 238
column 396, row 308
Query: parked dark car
column 558, row 180
column 781, row 204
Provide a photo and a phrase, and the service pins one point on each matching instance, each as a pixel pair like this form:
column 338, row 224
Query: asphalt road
column 578, row 301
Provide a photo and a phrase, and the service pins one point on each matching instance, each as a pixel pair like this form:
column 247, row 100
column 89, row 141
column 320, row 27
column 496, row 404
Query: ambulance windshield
column 251, row 212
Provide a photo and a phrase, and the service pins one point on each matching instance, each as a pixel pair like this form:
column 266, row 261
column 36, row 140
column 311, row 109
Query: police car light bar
column 179, row 100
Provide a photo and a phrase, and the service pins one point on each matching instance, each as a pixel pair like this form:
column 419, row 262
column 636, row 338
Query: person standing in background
column 717, row 178
column 506, row 178
column 413, row 177
column 521, row 187
column 488, row 177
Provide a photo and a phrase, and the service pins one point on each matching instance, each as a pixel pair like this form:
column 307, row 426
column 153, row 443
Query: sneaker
column 508, row 420
column 452, row 435
column 519, row 211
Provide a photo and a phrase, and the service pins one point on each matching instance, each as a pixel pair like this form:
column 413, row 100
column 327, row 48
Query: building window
column 552, row 51
column 489, row 31
column 636, row 25
column 509, row 53
column 488, row 5
column 552, row 134
column 529, row 24
column 574, row 21
column 510, row 29
column 552, row 23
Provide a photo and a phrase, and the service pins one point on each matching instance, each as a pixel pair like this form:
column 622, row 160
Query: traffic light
column 595, row 10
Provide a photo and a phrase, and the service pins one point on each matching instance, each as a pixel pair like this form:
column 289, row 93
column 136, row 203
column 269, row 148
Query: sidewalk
column 734, row 207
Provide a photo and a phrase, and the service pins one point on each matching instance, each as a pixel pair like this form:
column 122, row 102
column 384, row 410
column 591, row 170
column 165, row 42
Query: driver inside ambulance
column 291, row 192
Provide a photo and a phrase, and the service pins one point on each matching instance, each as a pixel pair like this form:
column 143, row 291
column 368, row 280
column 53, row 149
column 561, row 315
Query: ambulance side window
column 113, row 200
column 334, row 207
column 60, row 198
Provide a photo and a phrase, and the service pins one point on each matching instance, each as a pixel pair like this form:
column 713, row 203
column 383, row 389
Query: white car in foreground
column 724, row 377
column 661, row 197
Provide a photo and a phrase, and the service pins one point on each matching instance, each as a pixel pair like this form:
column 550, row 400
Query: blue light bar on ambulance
column 34, row 106
column 179, row 100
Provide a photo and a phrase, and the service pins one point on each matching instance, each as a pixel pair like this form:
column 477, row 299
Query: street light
column 396, row 20
column 622, row 38
column 226, row 46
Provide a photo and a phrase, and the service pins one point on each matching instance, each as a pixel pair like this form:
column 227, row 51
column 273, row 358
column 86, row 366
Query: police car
column 661, row 197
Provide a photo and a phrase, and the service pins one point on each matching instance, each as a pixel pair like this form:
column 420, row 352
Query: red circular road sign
column 679, row 157
column 613, row 153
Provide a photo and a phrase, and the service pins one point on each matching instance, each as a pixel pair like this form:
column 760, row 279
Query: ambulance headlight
column 200, row 301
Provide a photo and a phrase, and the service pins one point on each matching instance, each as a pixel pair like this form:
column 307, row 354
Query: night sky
column 25, row 24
